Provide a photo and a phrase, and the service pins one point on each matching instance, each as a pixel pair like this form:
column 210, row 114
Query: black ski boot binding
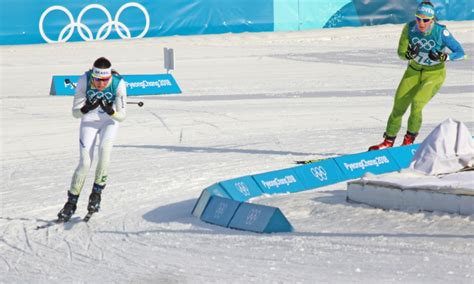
column 94, row 198
column 69, row 208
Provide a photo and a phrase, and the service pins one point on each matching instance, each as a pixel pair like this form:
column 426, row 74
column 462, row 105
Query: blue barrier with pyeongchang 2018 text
column 322, row 173
column 137, row 85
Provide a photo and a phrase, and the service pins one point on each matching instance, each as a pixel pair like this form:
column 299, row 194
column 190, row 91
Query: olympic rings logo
column 319, row 173
column 220, row 210
column 93, row 95
column 252, row 216
column 242, row 187
column 122, row 30
column 426, row 44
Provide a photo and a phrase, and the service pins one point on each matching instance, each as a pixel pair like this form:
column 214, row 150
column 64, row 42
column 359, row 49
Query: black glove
column 89, row 106
column 107, row 107
column 412, row 51
column 438, row 56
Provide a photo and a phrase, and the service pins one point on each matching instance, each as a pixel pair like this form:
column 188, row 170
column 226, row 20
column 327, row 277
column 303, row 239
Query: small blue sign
column 137, row 85
column 260, row 218
column 59, row 87
column 156, row 84
column 206, row 194
column 404, row 154
column 242, row 188
column 376, row 162
column 281, row 181
column 220, row 211
column 320, row 173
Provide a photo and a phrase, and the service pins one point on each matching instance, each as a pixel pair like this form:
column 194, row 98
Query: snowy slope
column 251, row 103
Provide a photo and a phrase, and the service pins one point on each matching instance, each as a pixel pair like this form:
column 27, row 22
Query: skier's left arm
column 457, row 52
column 79, row 97
column 120, row 102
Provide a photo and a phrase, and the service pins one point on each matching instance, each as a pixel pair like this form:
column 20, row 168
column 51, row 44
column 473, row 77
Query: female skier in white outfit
column 99, row 101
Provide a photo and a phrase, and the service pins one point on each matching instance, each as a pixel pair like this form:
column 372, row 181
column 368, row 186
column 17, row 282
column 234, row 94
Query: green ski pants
column 417, row 87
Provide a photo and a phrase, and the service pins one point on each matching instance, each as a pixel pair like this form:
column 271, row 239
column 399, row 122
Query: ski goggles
column 101, row 79
column 424, row 20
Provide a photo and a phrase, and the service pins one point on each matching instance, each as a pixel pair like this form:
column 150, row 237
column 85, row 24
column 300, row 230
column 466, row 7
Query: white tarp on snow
column 447, row 149
column 437, row 179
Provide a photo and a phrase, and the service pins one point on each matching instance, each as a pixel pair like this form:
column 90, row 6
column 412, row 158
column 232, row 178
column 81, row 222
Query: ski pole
column 140, row 104
column 68, row 82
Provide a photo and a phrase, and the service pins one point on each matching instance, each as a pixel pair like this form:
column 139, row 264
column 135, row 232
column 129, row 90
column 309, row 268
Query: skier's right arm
column 403, row 43
column 79, row 97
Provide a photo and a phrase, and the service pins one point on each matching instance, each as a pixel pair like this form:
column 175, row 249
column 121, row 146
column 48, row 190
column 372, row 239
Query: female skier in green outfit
column 423, row 43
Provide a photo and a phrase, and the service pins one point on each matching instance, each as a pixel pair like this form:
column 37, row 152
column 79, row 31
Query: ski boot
column 94, row 198
column 409, row 138
column 387, row 143
column 69, row 208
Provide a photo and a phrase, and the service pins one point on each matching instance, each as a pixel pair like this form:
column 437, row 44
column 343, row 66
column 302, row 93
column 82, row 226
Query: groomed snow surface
column 251, row 103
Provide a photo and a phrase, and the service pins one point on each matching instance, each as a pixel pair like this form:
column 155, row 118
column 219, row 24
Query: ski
column 50, row 224
column 304, row 162
column 58, row 221
column 88, row 216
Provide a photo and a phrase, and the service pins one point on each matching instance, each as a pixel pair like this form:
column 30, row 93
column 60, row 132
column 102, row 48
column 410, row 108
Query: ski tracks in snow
column 28, row 250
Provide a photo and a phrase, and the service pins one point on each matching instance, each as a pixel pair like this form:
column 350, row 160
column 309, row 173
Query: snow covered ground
column 251, row 103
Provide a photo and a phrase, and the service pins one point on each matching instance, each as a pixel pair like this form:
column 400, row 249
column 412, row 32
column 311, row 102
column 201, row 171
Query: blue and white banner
column 260, row 219
column 281, row 181
column 404, row 154
column 206, row 194
column 375, row 162
column 219, row 211
column 320, row 174
column 242, row 188
column 53, row 21
column 221, row 203
column 137, row 85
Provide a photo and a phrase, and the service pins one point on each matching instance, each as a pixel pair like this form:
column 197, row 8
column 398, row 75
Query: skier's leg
column 403, row 97
column 107, row 137
column 88, row 135
column 407, row 88
column 430, row 85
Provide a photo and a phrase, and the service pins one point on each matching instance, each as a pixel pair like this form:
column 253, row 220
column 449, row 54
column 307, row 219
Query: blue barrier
column 206, row 194
column 376, row 162
column 137, row 85
column 51, row 21
column 260, row 219
column 319, row 174
column 404, row 155
column 219, row 211
column 264, row 219
column 242, row 188
column 281, row 181
column 80, row 20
